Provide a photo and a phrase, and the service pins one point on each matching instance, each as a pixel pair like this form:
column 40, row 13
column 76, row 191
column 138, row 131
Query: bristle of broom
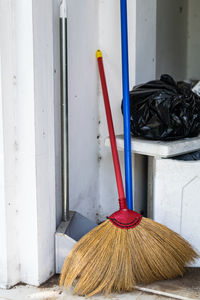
column 109, row 259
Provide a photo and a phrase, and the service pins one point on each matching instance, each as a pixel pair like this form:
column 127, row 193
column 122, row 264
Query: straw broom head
column 113, row 259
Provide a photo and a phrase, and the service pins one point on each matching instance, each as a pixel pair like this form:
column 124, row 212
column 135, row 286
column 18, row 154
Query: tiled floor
column 187, row 288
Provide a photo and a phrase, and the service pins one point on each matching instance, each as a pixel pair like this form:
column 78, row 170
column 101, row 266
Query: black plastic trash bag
column 188, row 156
column 164, row 110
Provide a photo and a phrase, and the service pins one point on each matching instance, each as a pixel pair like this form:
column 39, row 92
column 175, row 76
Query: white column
column 9, row 256
column 27, row 186
column 36, row 180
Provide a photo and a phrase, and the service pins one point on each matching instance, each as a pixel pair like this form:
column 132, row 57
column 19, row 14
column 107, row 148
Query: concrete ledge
column 158, row 148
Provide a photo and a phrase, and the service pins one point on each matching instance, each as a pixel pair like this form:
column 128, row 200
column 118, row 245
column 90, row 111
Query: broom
column 127, row 248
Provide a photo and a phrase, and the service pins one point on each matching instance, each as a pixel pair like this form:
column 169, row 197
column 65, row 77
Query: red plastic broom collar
column 124, row 218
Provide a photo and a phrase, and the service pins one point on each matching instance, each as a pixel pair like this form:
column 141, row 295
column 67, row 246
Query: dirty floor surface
column 187, row 288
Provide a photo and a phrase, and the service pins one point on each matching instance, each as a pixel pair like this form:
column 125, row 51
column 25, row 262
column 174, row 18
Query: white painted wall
column 145, row 41
column 178, row 45
column 83, row 106
column 110, row 44
column 141, row 22
column 193, row 66
column 172, row 38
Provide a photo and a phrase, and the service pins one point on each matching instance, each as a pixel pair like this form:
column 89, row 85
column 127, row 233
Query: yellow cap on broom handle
column 99, row 54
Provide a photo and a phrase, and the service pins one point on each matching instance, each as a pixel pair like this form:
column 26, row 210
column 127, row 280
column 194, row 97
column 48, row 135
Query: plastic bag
column 164, row 110
column 192, row 156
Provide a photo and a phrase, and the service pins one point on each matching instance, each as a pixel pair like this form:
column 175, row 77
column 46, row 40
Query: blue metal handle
column 126, row 105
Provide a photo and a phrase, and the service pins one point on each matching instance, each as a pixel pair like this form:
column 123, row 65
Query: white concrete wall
column 83, row 106
column 178, row 45
column 145, row 41
column 193, row 66
column 172, row 38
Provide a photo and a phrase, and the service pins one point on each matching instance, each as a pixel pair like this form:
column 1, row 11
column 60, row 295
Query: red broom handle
column 122, row 200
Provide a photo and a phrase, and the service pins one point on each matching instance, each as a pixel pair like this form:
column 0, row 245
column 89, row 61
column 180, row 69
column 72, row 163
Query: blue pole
column 126, row 105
